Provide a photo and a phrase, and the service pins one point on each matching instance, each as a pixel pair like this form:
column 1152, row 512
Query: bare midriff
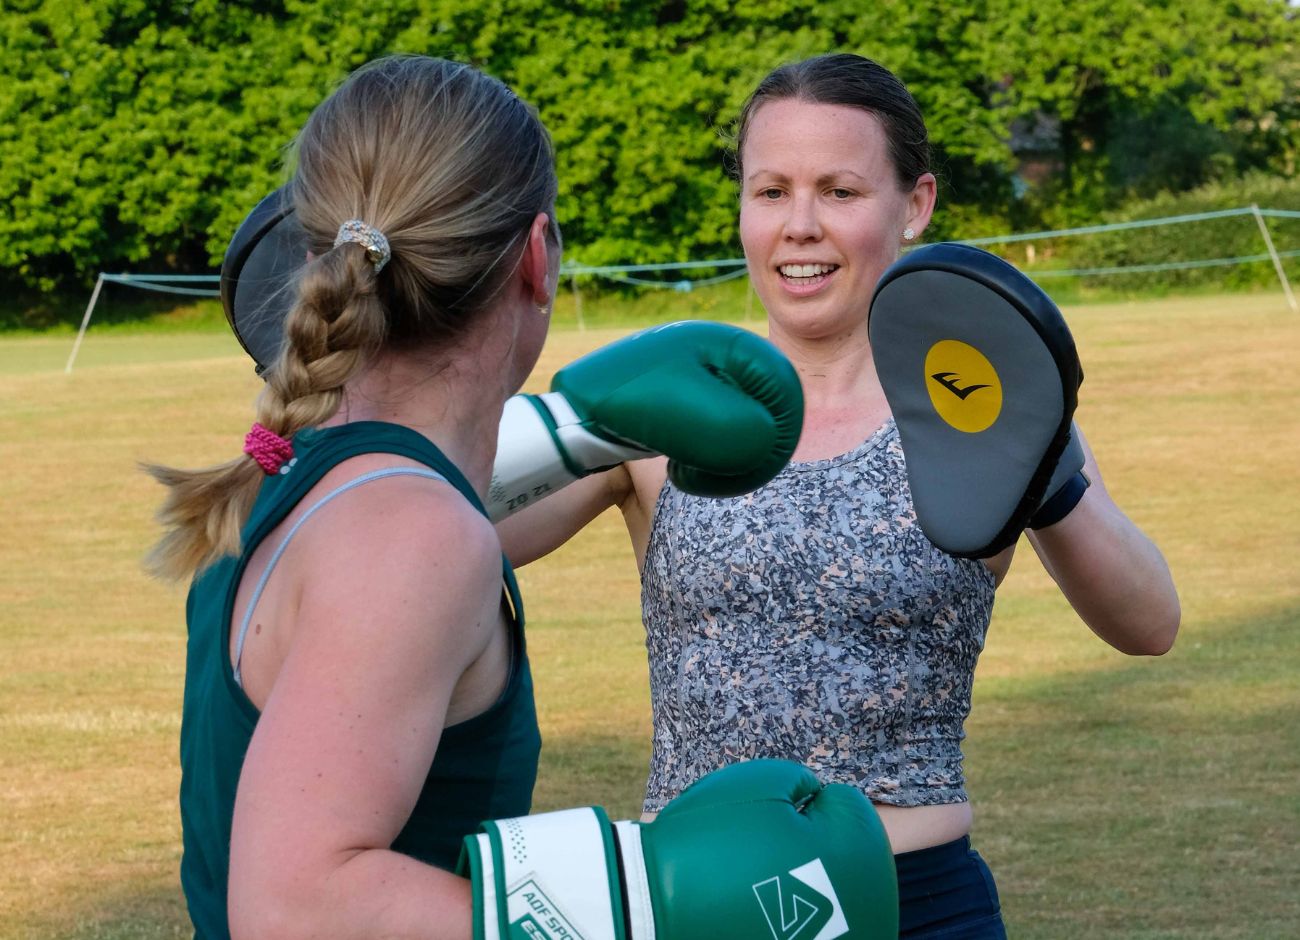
column 914, row 827
column 919, row 827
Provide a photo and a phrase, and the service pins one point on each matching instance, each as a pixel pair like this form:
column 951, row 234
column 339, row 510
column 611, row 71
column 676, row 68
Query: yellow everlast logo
column 964, row 387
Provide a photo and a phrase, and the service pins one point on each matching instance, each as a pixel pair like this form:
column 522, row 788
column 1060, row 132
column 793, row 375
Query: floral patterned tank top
column 812, row 620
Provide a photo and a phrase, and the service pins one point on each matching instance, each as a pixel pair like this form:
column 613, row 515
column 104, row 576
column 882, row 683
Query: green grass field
column 1114, row 797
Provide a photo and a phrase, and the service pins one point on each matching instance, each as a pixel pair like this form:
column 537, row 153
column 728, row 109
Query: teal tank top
column 484, row 768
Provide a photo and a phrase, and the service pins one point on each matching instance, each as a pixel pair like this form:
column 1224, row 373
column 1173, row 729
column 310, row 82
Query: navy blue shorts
column 947, row 893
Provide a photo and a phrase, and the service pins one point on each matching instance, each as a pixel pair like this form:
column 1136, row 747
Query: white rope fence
column 628, row 273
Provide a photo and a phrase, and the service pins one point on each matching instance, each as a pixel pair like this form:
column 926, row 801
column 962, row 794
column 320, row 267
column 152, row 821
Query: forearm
column 1112, row 574
column 373, row 893
column 544, row 526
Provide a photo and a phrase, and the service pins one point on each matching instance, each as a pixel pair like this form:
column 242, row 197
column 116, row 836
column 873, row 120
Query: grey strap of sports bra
column 275, row 558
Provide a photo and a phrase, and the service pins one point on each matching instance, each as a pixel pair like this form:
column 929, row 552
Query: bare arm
column 388, row 622
column 544, row 526
column 1111, row 572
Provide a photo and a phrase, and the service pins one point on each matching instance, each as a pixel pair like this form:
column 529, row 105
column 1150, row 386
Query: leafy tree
column 1186, row 81
column 137, row 133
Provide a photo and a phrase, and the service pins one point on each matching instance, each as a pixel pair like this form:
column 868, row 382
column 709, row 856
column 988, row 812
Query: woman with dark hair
column 812, row 620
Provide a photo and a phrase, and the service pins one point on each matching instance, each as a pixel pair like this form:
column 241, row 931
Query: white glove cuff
column 589, row 451
column 542, row 447
column 640, row 911
column 549, row 876
column 529, row 463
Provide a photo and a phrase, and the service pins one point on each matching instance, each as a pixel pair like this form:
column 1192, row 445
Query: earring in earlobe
column 909, row 234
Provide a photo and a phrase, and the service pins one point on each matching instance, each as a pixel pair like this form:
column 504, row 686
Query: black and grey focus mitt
column 981, row 373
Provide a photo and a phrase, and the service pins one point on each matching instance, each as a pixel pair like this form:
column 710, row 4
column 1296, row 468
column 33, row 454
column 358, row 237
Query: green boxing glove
column 724, row 405
column 755, row 850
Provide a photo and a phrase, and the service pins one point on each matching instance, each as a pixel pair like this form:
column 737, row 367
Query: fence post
column 85, row 321
column 577, row 301
column 1277, row 261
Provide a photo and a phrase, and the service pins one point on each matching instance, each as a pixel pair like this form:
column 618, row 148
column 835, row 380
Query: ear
column 539, row 269
column 920, row 204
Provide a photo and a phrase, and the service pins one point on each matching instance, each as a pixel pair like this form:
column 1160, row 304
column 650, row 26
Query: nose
column 803, row 224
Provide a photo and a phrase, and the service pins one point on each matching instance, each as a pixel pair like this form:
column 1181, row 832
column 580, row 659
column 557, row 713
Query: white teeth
column 805, row 270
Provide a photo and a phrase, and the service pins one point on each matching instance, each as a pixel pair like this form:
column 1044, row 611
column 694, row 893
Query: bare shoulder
column 407, row 548
column 419, row 509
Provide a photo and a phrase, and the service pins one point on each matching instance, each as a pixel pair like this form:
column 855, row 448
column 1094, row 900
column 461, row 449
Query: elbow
column 271, row 922
column 1153, row 646
column 243, row 930
column 246, row 923
column 1157, row 636
column 1167, row 629
column 272, row 914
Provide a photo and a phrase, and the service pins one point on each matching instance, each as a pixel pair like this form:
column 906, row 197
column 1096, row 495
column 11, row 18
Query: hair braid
column 336, row 325
column 431, row 153
column 337, row 322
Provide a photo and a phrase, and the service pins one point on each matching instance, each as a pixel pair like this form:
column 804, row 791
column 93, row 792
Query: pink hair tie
column 269, row 449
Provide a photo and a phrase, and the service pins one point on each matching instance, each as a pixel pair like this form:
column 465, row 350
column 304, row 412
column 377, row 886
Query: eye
column 841, row 193
column 771, row 193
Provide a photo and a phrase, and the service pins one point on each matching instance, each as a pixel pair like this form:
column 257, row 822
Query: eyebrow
column 820, row 181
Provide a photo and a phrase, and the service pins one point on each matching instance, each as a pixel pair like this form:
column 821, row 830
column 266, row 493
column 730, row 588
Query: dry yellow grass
column 1114, row 797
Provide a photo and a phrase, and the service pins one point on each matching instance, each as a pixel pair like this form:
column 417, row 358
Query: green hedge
column 135, row 134
column 1232, row 237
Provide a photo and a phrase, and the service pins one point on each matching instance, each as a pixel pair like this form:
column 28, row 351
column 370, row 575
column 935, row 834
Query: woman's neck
column 447, row 399
column 844, row 403
column 837, row 371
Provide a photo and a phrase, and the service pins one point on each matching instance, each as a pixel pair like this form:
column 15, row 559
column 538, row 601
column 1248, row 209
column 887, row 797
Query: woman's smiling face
column 822, row 213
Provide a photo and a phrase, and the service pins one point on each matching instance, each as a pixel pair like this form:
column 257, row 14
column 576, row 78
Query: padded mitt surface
column 258, row 276
column 981, row 374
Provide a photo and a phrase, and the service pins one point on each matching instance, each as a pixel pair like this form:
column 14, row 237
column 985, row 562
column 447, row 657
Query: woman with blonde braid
column 357, row 694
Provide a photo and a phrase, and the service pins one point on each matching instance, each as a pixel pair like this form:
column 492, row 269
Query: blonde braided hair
column 452, row 167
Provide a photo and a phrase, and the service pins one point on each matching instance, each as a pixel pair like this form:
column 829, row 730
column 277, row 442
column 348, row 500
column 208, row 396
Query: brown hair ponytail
column 452, row 167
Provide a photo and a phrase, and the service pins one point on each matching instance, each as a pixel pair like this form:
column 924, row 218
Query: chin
column 818, row 321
